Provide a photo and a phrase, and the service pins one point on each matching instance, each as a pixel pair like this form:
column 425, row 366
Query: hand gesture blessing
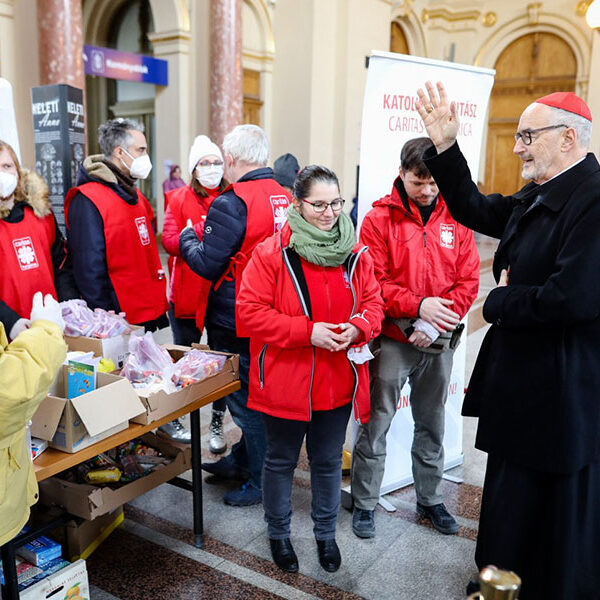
column 439, row 116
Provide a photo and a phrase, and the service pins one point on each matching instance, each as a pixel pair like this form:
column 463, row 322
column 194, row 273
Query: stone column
column 226, row 95
column 172, row 108
column 60, row 28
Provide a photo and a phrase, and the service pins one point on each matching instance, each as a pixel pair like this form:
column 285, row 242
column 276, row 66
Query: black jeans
column 325, row 435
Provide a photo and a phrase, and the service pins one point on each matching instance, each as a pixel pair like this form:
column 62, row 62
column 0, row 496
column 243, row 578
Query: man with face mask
column 115, row 256
column 246, row 213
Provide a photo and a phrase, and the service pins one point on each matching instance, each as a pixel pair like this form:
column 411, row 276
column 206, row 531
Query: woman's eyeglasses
column 208, row 163
column 321, row 207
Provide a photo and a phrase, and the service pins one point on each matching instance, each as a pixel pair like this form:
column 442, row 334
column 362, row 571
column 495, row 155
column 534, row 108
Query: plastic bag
column 148, row 363
column 196, row 365
column 81, row 320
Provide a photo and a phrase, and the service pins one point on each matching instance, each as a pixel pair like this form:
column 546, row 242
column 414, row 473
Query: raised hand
column 439, row 115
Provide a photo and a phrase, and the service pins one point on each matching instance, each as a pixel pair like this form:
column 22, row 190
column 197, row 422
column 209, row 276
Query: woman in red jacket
column 188, row 293
column 310, row 302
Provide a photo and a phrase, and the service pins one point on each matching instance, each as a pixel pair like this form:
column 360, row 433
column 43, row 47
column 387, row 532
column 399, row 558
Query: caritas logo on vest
column 25, row 253
column 279, row 204
column 142, row 228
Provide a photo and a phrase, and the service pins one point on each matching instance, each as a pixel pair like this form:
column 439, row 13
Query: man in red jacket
column 428, row 268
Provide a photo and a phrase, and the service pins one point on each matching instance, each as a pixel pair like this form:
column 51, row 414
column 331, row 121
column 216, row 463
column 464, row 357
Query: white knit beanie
column 202, row 146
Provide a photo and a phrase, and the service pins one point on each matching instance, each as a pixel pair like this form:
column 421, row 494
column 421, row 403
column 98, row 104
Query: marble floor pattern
column 151, row 556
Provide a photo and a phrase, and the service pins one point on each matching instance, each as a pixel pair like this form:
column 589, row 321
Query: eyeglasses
column 208, row 163
column 321, row 207
column 526, row 134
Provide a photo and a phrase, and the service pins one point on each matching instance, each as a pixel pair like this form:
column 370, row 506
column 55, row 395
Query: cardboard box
column 89, row 501
column 115, row 348
column 71, row 425
column 61, row 584
column 160, row 404
column 84, row 536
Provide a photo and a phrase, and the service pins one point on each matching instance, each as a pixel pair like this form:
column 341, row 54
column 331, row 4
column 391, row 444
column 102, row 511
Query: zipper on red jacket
column 354, row 307
column 261, row 366
column 424, row 239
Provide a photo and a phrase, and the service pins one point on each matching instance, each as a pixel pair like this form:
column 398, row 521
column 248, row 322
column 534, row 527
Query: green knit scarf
column 323, row 248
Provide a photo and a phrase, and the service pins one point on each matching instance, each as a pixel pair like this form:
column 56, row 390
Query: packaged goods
column 25, row 571
column 40, row 551
column 81, row 320
column 49, row 569
column 196, row 365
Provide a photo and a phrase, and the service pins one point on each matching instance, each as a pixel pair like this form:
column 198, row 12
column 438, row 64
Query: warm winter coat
column 536, row 380
column 280, row 299
column 87, row 241
column 51, row 247
column 414, row 261
column 224, row 233
column 187, row 291
column 28, row 366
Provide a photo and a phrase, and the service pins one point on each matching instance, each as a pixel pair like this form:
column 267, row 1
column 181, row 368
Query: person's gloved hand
column 20, row 326
column 47, row 308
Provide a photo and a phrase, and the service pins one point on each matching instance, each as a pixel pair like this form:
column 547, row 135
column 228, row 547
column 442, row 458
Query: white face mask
column 210, row 177
column 8, row 184
column 140, row 167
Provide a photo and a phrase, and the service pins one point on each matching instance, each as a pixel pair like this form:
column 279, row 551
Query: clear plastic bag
column 196, row 365
column 81, row 320
column 148, row 363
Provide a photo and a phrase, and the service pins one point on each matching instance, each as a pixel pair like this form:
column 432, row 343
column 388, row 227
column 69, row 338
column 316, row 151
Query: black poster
column 59, row 137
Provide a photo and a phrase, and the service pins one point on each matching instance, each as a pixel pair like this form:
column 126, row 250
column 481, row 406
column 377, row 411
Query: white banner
column 8, row 121
column 390, row 119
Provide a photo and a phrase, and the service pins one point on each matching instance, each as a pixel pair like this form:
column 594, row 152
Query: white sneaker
column 175, row 432
column 217, row 443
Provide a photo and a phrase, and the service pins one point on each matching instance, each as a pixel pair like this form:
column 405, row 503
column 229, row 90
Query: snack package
column 110, row 475
column 196, row 365
column 81, row 320
column 148, row 363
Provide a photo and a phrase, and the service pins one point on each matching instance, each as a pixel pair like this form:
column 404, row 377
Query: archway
column 531, row 66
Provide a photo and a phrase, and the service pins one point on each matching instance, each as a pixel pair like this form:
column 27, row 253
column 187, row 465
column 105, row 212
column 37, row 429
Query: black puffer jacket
column 224, row 232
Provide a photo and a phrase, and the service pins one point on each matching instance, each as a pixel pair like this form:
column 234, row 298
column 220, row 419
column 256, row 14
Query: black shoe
column 472, row 587
column 226, row 468
column 440, row 518
column 329, row 555
column 283, row 555
column 363, row 523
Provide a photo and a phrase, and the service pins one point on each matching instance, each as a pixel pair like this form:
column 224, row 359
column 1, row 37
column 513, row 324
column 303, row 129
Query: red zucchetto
column 567, row 101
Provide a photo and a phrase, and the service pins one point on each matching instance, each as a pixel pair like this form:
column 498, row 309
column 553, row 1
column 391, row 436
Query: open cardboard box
column 72, row 581
column 71, row 425
column 160, row 403
column 91, row 501
column 116, row 348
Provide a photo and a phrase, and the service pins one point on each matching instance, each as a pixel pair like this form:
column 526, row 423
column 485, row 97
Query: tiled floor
column 152, row 556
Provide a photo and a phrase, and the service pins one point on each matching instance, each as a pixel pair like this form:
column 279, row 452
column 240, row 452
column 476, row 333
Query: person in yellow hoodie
column 28, row 366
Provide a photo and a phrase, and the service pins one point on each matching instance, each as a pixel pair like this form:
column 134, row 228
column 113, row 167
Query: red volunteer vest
column 132, row 257
column 26, row 261
column 189, row 292
column 266, row 203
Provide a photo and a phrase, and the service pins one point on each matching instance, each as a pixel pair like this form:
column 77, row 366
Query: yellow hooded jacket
column 28, row 366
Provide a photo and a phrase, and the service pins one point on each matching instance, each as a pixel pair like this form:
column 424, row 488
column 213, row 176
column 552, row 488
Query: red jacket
column 289, row 377
column 187, row 291
column 414, row 261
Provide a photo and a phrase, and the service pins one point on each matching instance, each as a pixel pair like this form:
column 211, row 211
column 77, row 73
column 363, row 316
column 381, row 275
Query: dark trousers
column 185, row 333
column 325, row 435
column 543, row 526
column 249, row 452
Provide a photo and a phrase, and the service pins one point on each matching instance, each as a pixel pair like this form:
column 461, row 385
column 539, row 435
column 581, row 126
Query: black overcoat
column 536, row 382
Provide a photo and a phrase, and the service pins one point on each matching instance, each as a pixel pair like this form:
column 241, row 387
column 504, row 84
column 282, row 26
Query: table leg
column 197, row 477
column 10, row 590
